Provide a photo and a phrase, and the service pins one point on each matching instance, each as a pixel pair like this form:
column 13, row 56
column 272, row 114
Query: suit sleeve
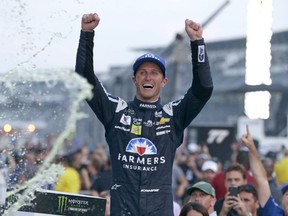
column 101, row 103
column 202, row 84
column 191, row 104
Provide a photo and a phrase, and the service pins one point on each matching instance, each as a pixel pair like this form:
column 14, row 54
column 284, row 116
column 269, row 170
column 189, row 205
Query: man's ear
column 133, row 79
column 164, row 82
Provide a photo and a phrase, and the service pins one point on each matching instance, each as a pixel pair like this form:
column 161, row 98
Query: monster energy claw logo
column 62, row 203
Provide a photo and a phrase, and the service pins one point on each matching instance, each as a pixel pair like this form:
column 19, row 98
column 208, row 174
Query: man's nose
column 147, row 76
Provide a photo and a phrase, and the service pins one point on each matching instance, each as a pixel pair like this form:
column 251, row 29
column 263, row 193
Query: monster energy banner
column 59, row 203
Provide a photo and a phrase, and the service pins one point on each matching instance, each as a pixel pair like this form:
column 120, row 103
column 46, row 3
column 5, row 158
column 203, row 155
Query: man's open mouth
column 148, row 86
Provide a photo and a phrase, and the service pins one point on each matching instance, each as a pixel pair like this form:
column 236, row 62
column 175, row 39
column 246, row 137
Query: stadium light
column 31, row 128
column 258, row 57
column 7, row 128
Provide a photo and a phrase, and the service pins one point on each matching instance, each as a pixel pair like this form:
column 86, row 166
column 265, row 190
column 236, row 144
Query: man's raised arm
column 257, row 169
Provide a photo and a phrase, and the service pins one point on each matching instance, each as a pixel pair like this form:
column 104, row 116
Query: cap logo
column 150, row 55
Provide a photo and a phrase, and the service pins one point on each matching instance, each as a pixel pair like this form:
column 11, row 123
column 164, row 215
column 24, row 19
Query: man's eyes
column 198, row 195
column 151, row 73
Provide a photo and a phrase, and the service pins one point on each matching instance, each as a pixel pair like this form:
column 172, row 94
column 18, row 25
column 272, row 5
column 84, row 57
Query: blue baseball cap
column 150, row 57
column 284, row 188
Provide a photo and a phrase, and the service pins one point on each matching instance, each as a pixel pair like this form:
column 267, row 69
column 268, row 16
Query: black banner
column 217, row 138
column 58, row 203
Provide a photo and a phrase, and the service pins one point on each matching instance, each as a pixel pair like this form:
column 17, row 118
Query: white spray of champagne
column 79, row 90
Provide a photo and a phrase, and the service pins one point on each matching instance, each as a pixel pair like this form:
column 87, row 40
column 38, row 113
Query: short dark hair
column 237, row 167
column 249, row 188
column 193, row 206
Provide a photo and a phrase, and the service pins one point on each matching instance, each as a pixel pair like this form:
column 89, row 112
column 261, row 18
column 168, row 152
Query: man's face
column 250, row 202
column 234, row 179
column 77, row 160
column 208, row 175
column 204, row 199
column 285, row 202
column 149, row 80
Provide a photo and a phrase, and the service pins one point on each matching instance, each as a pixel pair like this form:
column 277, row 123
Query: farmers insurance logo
column 62, row 203
column 141, row 146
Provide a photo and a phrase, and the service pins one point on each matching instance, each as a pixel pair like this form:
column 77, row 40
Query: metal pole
column 215, row 13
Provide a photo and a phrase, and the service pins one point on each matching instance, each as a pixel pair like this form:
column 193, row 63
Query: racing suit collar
column 147, row 106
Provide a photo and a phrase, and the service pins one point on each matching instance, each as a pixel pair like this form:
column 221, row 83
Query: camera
column 233, row 191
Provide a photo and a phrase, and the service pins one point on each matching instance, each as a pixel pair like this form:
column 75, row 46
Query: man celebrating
column 142, row 134
column 267, row 204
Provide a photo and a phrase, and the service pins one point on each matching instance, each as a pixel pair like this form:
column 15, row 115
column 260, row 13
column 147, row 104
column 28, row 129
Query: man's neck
column 147, row 101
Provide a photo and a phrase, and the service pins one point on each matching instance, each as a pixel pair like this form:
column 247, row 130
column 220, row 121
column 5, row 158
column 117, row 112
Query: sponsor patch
column 163, row 121
column 137, row 121
column 149, row 123
column 158, row 114
column 201, row 53
column 141, row 155
column 162, row 132
column 150, row 106
column 150, row 190
column 136, row 129
column 141, row 146
column 115, row 186
column 122, row 128
column 163, row 127
column 125, row 119
column 130, row 112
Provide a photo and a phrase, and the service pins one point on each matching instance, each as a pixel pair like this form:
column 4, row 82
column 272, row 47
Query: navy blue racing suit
column 143, row 137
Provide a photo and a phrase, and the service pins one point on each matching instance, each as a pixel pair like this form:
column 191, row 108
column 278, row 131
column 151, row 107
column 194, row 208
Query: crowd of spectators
column 88, row 171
